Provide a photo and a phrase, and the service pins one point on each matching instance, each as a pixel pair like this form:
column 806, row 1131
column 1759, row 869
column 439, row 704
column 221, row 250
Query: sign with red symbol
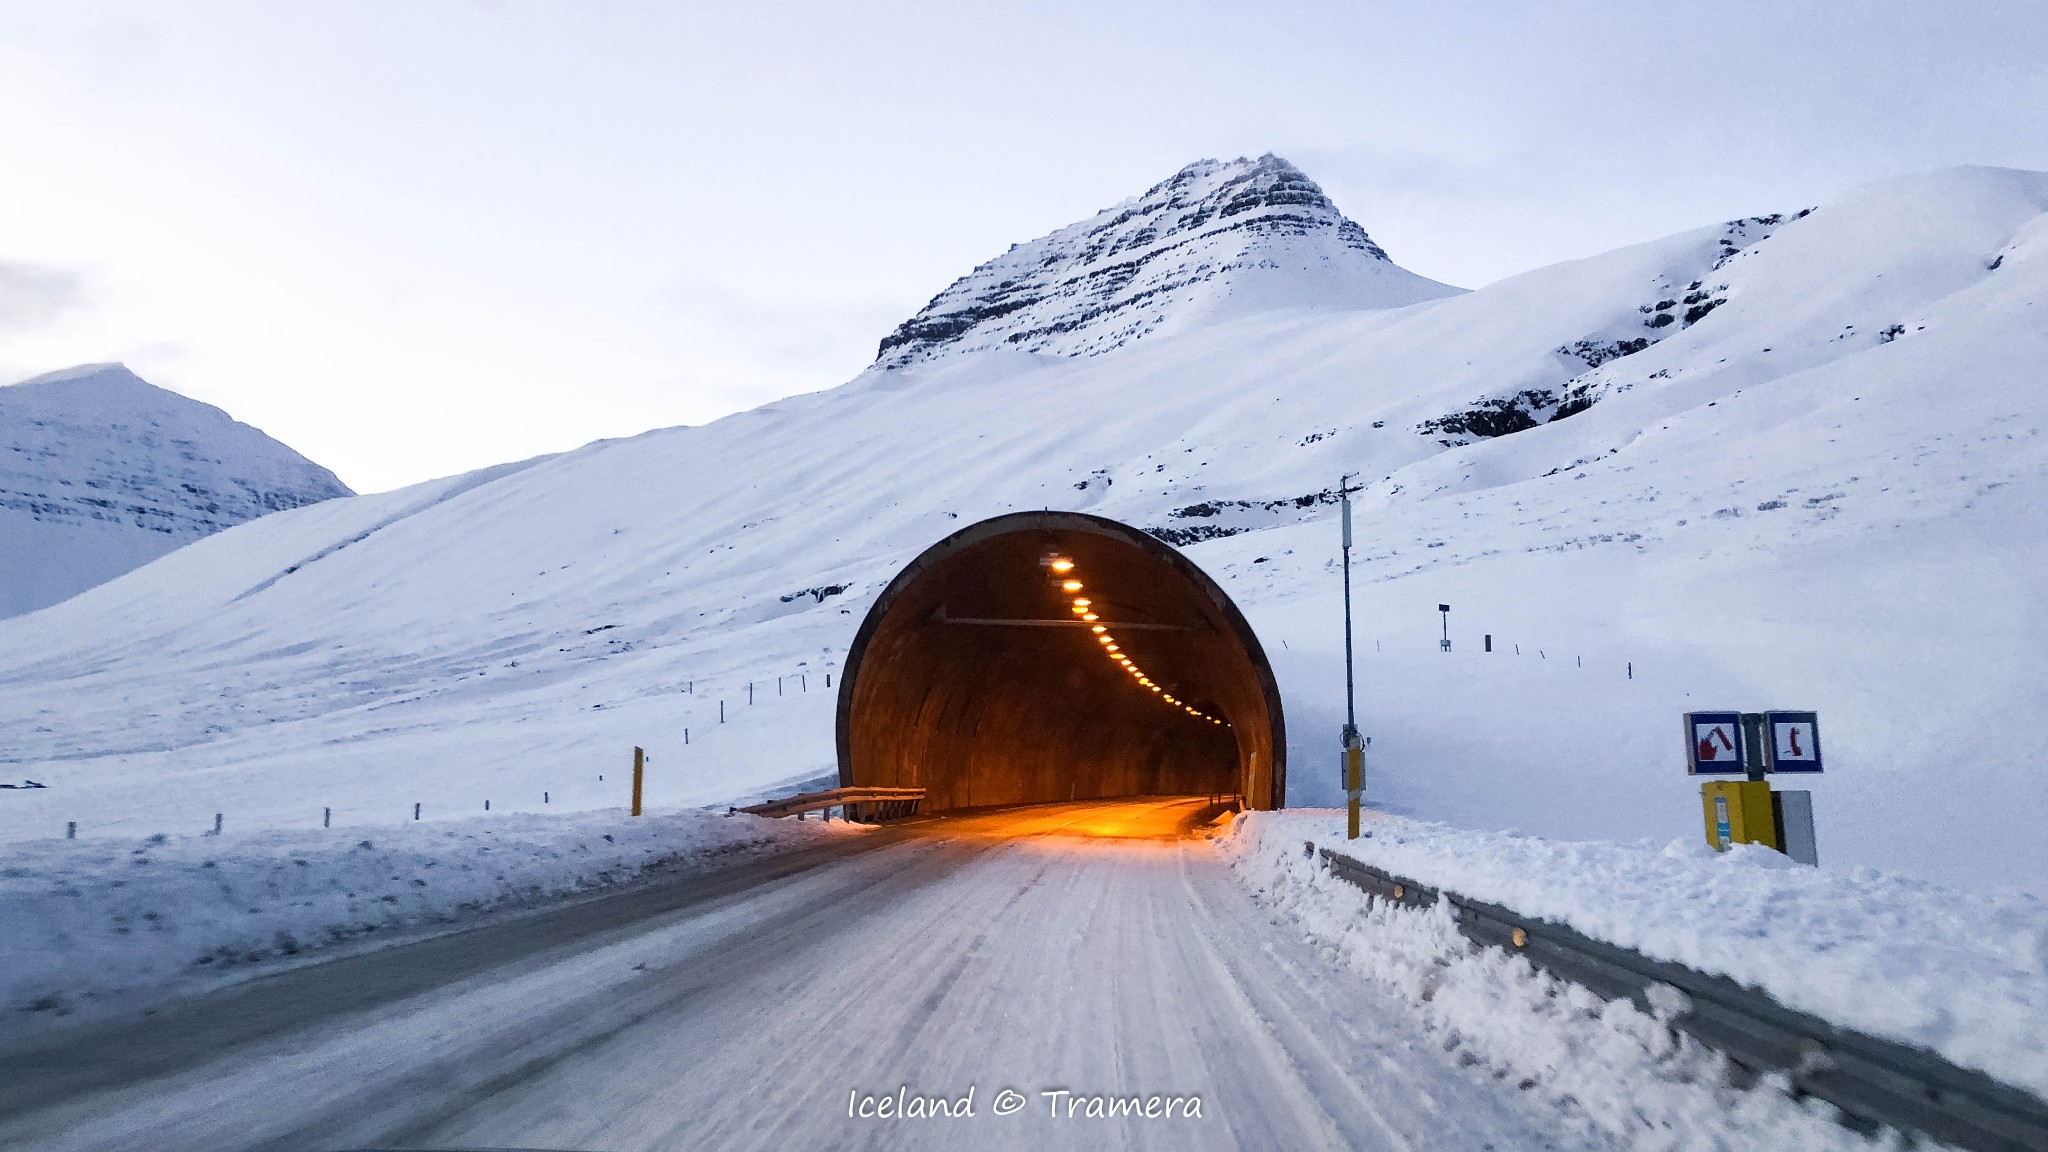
column 1794, row 742
column 1713, row 744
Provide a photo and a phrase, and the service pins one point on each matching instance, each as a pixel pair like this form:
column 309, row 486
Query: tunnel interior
column 1058, row 656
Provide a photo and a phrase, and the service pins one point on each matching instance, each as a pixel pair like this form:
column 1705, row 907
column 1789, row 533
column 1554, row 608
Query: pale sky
column 412, row 238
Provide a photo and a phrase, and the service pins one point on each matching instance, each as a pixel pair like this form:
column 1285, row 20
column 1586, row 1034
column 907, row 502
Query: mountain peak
column 101, row 471
column 1215, row 238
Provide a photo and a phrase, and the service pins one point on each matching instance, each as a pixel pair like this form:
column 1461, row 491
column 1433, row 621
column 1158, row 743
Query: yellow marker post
column 1354, row 784
column 639, row 768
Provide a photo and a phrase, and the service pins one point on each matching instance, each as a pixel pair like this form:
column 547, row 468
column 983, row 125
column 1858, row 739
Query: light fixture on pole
column 1354, row 748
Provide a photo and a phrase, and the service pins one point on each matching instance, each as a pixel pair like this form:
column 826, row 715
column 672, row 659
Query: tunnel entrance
column 1046, row 656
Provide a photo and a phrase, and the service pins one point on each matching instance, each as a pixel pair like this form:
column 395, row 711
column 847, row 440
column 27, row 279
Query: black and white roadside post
column 1445, row 611
column 1354, row 748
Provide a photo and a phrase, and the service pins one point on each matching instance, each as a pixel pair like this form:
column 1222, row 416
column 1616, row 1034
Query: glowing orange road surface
column 1128, row 818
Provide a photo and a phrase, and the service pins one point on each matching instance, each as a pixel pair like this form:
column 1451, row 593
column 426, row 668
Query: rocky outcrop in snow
column 1242, row 236
column 102, row 472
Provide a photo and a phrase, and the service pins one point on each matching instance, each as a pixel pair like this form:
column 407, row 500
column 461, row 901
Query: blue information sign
column 1791, row 742
column 1713, row 744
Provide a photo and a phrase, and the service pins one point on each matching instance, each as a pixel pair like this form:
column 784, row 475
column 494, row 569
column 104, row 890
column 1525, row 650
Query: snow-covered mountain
column 102, row 472
column 1819, row 484
column 1215, row 240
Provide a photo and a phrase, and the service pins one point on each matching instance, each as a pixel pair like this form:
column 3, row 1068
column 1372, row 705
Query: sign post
column 1750, row 745
column 1354, row 748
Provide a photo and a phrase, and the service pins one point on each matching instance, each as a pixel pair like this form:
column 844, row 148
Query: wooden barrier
column 861, row 805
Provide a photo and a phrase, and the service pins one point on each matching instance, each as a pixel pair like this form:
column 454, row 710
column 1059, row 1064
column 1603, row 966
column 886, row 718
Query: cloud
column 32, row 295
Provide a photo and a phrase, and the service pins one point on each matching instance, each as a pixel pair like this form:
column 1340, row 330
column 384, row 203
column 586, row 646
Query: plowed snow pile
column 93, row 921
column 1962, row 972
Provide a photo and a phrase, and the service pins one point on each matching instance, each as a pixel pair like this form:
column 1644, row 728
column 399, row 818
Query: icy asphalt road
column 1090, row 949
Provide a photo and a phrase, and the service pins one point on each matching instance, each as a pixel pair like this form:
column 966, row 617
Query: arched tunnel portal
column 1045, row 656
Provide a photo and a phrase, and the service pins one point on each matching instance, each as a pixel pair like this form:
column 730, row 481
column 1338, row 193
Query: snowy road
column 1087, row 949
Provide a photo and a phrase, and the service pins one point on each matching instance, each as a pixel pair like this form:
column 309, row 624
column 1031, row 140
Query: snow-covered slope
column 101, row 472
column 1215, row 240
column 1824, row 490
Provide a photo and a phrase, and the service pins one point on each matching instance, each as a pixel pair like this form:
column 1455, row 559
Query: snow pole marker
column 71, row 829
column 415, row 811
column 327, row 817
column 639, row 766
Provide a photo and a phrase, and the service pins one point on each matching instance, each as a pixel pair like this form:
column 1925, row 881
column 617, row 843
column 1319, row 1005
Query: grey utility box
column 1795, row 825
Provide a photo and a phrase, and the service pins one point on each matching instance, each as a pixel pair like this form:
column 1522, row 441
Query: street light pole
column 1354, row 748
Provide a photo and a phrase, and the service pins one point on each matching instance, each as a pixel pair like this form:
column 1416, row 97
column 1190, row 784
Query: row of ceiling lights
column 1063, row 569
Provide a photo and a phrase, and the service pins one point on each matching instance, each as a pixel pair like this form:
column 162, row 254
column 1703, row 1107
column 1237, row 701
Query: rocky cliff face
column 1216, row 238
column 101, row 472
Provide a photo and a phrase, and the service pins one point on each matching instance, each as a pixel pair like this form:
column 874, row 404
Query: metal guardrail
column 1874, row 1083
column 861, row 805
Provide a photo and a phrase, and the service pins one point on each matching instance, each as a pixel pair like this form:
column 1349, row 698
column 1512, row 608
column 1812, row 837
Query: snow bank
column 89, row 919
column 1962, row 972
column 1607, row 1066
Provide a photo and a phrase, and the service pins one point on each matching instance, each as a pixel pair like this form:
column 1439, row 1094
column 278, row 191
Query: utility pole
column 1354, row 748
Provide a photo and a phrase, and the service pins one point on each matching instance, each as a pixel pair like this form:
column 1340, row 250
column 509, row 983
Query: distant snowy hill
column 1215, row 240
column 1795, row 461
column 101, row 472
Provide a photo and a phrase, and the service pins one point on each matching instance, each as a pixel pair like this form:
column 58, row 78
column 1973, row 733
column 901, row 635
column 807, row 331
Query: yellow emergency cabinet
column 1739, row 812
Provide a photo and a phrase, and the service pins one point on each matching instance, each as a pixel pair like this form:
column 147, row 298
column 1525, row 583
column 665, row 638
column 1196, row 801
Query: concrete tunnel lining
column 972, row 677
